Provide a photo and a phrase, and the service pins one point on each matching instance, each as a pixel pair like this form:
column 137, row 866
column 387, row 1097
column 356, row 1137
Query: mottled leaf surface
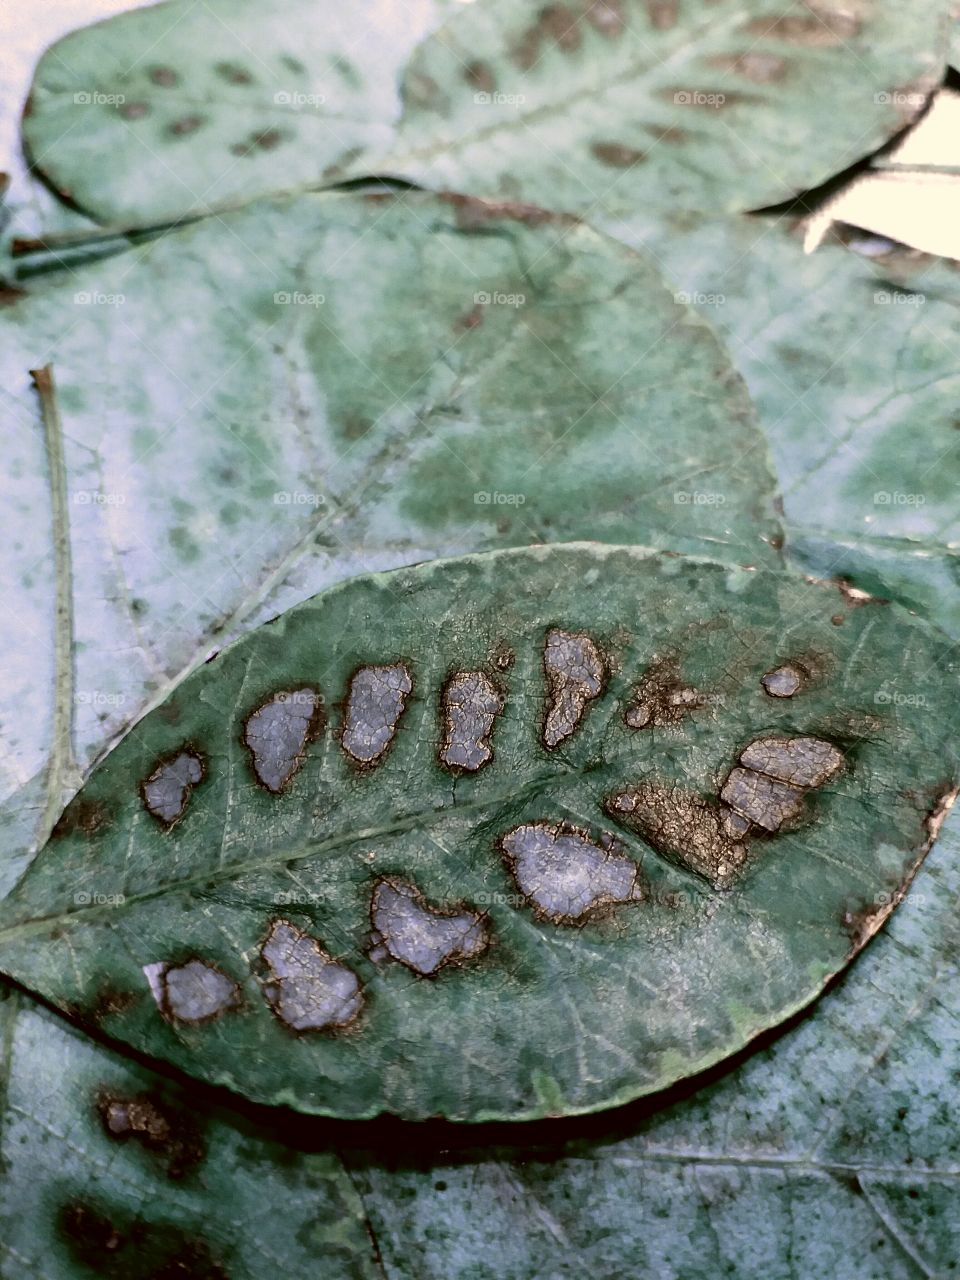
column 573, row 923
column 109, row 1170
column 851, row 366
column 182, row 107
column 318, row 392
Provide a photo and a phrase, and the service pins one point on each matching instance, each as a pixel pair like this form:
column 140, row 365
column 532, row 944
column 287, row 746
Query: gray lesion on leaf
column 783, row 682
column 691, row 830
column 375, row 703
column 308, row 990
column 193, row 992
column 662, row 698
column 425, row 938
column 168, row 788
column 277, row 732
column 470, row 703
column 801, row 761
column 575, row 672
column 565, row 874
column 711, row 836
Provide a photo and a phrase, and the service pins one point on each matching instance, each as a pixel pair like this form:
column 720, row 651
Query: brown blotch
column 838, row 619
column 606, row 16
column 134, row 110
column 109, row 1002
column 671, row 134
column 9, row 295
column 233, row 73
column 166, row 77
column 264, row 140
column 474, row 214
column 555, row 23
column 662, row 697
column 120, row 1246
column 186, row 125
column 760, row 68
column 165, row 1131
column 616, row 155
column 472, row 319
column 662, row 14
column 690, row 830
column 86, row 817
column 821, row 30
column 479, row 76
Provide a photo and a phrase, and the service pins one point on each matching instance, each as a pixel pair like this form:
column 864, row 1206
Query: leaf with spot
column 319, row 392
column 588, row 914
column 576, row 105
column 111, row 1170
column 182, row 107
column 851, row 366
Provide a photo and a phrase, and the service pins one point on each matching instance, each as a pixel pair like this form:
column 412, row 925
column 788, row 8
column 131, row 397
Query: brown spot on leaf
column 186, row 125
column 263, row 140
column 662, row 14
column 233, row 73
column 120, row 1246
column 616, row 155
column 472, row 319
column 87, row 817
column 479, row 76
column 166, row 1131
column 555, row 24
column 821, row 29
column 166, row 77
column 689, row 830
column 606, row 16
column 474, row 214
column 662, row 697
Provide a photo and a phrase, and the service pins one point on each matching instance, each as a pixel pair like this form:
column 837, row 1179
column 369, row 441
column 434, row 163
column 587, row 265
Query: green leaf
column 182, row 107
column 284, row 430
column 851, row 367
column 612, row 104
column 516, row 811
column 830, row 1155
column 111, row 1171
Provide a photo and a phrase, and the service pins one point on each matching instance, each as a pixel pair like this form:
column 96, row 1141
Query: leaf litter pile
column 480, row 704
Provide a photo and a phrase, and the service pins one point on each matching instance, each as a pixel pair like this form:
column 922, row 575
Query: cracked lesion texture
column 167, row 790
column 782, row 682
column 191, row 992
column 565, row 874
column 422, row 937
column 662, row 698
column 375, row 704
column 688, row 829
column 277, row 733
column 471, row 704
column 575, row 673
column 802, row 762
column 761, row 800
column 308, row 990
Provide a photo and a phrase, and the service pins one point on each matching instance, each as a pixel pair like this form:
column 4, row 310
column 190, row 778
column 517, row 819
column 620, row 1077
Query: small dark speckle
column 617, row 156
column 186, row 125
column 166, row 77
column 838, row 619
column 479, row 76
column 265, row 140
column 233, row 73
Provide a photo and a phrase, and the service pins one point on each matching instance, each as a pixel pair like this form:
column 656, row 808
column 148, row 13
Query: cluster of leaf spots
column 765, row 791
column 564, row 875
